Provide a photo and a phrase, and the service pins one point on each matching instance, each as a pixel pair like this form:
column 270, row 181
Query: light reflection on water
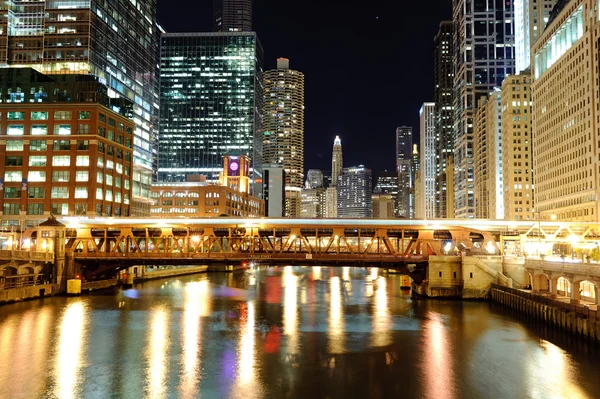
column 282, row 332
column 71, row 343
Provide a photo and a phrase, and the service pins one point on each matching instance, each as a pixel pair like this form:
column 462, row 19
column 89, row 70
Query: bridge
column 101, row 247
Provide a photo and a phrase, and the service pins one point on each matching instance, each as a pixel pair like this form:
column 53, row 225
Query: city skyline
column 328, row 58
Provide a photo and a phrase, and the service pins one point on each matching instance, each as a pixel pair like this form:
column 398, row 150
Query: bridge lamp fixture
column 292, row 237
column 26, row 243
column 490, row 247
column 553, row 216
column 448, row 247
column 196, row 239
column 574, row 239
column 9, row 242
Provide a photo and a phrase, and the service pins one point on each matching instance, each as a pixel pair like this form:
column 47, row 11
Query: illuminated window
column 15, row 130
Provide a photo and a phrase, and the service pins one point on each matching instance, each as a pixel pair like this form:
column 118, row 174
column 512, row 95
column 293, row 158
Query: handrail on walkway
column 580, row 310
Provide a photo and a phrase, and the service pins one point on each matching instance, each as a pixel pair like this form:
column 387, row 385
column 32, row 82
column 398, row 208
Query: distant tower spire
column 337, row 162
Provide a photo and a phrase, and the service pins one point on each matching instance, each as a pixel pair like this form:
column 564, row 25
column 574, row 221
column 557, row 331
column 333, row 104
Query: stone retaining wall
column 19, row 294
column 567, row 321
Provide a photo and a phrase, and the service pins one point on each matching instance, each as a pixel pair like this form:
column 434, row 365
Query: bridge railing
column 26, row 255
column 580, row 310
column 575, row 268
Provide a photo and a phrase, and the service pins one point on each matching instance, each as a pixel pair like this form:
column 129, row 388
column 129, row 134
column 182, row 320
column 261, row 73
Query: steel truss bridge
column 102, row 244
column 106, row 244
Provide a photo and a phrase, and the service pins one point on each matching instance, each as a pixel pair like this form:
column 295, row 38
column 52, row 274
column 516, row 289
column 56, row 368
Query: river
column 289, row 332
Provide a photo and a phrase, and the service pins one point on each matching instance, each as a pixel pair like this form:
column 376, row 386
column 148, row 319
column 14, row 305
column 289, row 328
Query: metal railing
column 580, row 310
column 20, row 281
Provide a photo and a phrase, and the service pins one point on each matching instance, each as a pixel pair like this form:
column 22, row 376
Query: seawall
column 552, row 315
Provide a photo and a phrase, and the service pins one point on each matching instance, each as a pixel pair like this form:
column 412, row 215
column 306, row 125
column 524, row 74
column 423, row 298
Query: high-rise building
column 232, row 15
column 211, row 103
column 283, row 140
column 565, row 113
column 531, row 17
column 517, row 151
column 480, row 151
column 428, row 158
column 313, row 203
column 483, row 56
column 314, row 178
column 354, row 193
column 337, row 161
column 487, row 150
column 331, row 202
column 415, row 167
column 495, row 155
column 383, row 206
column 403, row 167
column 113, row 40
column 419, row 196
column 273, row 190
column 444, row 113
column 387, row 183
column 480, row 159
column 66, row 148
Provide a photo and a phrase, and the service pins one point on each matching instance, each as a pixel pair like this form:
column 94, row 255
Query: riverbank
column 12, row 295
column 573, row 319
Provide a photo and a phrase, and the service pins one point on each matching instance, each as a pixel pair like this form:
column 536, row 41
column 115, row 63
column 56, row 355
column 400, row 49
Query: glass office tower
column 211, row 102
column 113, row 40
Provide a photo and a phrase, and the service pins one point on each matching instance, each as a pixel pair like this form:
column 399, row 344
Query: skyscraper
column 444, row 113
column 517, row 151
column 211, row 100
column 337, row 162
column 114, row 41
column 283, row 140
column 530, row 20
column 428, row 158
column 232, row 15
column 483, row 56
column 354, row 195
column 565, row 113
column 403, row 166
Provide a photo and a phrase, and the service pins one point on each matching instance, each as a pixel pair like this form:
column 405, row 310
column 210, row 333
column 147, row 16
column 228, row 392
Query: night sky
column 368, row 66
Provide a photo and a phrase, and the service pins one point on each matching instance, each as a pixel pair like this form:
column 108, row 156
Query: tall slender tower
column 444, row 137
column 404, row 169
column 337, row 163
column 232, row 15
column 428, row 159
column 283, row 140
column 483, row 57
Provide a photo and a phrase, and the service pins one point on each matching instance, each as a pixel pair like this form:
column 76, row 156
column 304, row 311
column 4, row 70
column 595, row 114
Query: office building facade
column 531, row 17
column 314, row 178
column 313, row 203
column 517, row 150
column 404, row 143
column 428, row 159
column 387, row 183
column 565, row 114
column 354, row 193
column 66, row 148
column 483, row 56
column 283, row 140
column 211, row 103
column 114, row 41
column 444, row 114
column 232, row 15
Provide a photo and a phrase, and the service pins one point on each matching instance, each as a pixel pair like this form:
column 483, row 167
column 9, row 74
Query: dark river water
column 284, row 332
